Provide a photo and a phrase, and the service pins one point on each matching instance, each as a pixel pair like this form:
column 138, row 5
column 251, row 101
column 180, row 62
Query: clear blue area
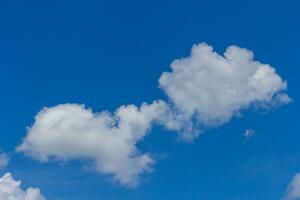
column 109, row 53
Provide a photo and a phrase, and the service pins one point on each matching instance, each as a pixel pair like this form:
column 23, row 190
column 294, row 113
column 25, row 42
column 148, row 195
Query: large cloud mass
column 10, row 190
column 71, row 131
column 210, row 88
column 205, row 89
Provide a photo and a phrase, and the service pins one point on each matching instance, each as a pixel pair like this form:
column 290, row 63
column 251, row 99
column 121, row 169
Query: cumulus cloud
column 10, row 189
column 293, row 189
column 71, row 131
column 4, row 159
column 209, row 89
column 204, row 90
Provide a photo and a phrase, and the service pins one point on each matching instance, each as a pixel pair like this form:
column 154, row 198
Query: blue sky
column 106, row 54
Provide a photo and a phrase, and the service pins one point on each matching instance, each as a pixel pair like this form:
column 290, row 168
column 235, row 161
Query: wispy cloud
column 248, row 134
column 4, row 160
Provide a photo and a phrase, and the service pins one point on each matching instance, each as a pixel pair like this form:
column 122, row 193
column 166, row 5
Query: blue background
column 109, row 53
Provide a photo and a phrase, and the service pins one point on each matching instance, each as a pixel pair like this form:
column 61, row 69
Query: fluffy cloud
column 293, row 189
column 204, row 90
column 209, row 89
column 71, row 131
column 4, row 159
column 10, row 190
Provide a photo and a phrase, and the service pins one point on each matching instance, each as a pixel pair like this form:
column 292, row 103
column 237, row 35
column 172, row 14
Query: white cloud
column 209, row 89
column 71, row 131
column 249, row 133
column 10, row 190
column 205, row 89
column 293, row 189
column 4, row 159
